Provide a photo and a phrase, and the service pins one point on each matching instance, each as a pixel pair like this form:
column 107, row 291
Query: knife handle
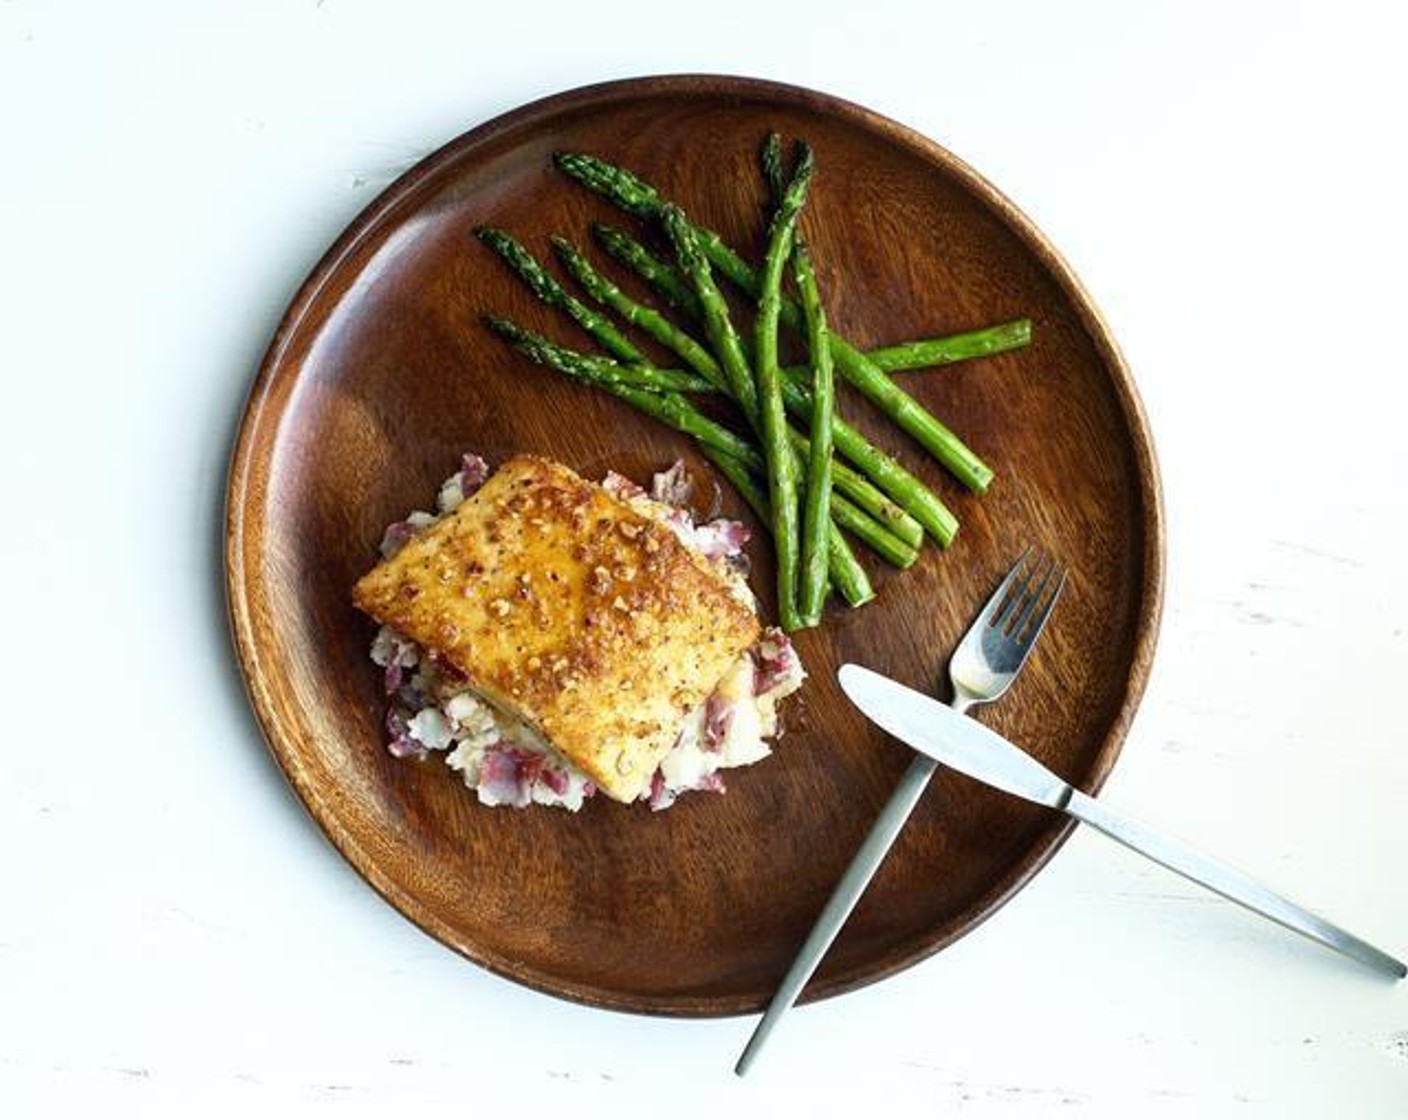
column 1227, row 881
column 863, row 866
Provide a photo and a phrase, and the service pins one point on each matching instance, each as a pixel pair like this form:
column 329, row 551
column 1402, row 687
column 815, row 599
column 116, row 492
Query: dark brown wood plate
column 381, row 374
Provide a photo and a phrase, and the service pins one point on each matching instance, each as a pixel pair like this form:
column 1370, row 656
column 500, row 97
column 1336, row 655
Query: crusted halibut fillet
column 569, row 610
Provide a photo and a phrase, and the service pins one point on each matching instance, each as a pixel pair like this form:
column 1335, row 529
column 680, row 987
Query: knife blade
column 963, row 744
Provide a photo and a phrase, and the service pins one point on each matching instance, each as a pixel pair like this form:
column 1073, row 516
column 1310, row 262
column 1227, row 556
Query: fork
column 981, row 669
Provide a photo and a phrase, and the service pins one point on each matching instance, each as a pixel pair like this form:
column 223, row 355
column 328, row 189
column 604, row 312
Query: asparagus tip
column 804, row 160
column 504, row 328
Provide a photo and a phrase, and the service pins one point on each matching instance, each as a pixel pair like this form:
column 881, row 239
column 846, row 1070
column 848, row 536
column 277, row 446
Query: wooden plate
column 381, row 374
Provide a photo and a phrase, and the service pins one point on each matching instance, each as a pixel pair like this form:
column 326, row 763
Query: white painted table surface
column 177, row 937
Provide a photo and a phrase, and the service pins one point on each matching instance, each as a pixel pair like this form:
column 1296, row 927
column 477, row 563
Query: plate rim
column 243, row 483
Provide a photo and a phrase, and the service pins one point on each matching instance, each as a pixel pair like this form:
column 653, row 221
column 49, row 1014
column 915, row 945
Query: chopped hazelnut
column 501, row 607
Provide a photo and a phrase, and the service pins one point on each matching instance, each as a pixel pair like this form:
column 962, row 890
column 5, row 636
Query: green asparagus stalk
column 811, row 590
column 847, row 576
column 907, row 491
column 639, row 315
column 547, row 289
column 882, row 542
column 662, row 276
column 919, row 509
column 871, row 516
column 812, row 578
column 718, row 327
column 927, row 352
column 853, row 583
column 635, row 196
column 846, row 571
column 667, row 283
column 850, row 483
column 667, row 407
column 646, row 376
column 924, row 352
column 772, row 169
column 643, row 375
column 782, row 459
column 871, row 380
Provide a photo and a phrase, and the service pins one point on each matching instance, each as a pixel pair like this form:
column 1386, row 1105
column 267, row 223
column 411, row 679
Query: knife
column 963, row 744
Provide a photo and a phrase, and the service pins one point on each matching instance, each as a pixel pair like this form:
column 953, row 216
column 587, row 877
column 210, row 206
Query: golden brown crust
column 571, row 611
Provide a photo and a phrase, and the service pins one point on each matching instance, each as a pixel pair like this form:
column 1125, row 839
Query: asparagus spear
column 772, row 168
column 667, row 283
column 649, row 320
column 864, row 493
column 873, row 382
column 870, row 517
column 662, row 276
column 668, row 407
column 953, row 348
column 918, row 507
column 924, row 352
column 908, row 492
column 839, row 557
column 812, row 566
column 668, row 380
column 812, row 578
column 541, row 283
column 635, row 196
column 849, row 576
column 643, row 375
column 718, row 327
column 882, row 542
column 552, row 293
column 846, row 516
column 782, row 461
column 887, row 510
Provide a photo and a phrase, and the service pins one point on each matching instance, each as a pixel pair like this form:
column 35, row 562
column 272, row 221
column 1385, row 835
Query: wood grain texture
column 380, row 375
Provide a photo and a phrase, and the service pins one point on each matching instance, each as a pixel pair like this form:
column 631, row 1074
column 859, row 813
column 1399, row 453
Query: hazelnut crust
column 569, row 610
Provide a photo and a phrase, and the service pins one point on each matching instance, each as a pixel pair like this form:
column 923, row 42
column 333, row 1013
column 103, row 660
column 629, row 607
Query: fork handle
column 864, row 864
column 1227, row 881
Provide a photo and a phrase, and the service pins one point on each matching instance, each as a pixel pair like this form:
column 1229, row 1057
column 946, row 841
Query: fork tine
column 1023, row 592
column 996, row 606
column 1039, row 623
column 1035, row 598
